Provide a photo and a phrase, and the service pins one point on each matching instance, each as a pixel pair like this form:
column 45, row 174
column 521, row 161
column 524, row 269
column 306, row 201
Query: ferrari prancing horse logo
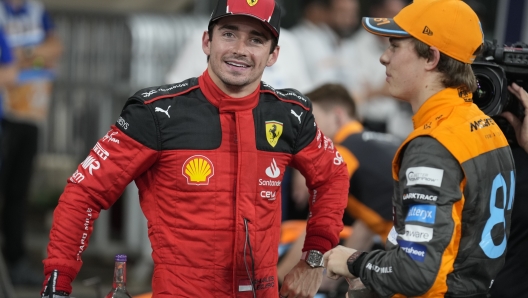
column 273, row 131
column 252, row 2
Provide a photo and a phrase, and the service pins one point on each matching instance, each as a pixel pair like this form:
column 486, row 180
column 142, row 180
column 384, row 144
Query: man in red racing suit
column 208, row 155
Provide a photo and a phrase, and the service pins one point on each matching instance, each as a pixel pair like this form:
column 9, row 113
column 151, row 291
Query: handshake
column 337, row 264
column 49, row 290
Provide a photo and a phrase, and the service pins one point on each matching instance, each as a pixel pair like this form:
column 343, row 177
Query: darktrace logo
column 419, row 194
column 427, row 31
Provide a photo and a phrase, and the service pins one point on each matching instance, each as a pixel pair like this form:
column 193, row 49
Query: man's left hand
column 303, row 281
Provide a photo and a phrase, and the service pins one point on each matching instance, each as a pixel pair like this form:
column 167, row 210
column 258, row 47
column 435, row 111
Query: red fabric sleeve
column 327, row 179
column 99, row 181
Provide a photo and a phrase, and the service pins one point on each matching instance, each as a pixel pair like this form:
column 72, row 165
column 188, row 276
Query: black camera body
column 496, row 68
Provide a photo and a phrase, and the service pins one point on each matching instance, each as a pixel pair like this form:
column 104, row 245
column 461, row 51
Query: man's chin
column 235, row 83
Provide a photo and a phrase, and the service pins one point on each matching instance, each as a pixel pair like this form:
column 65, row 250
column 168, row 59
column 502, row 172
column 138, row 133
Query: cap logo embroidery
column 381, row 21
column 427, row 31
column 252, row 2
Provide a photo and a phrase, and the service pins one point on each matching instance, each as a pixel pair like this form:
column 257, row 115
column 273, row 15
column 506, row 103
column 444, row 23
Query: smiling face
column 404, row 69
column 239, row 51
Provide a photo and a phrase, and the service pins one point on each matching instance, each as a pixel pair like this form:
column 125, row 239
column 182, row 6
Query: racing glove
column 49, row 289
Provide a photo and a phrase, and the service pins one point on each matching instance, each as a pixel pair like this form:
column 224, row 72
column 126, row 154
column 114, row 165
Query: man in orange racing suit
column 208, row 155
column 454, row 175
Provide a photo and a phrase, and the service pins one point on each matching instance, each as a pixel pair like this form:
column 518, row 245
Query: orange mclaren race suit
column 209, row 170
column 368, row 156
column 454, row 186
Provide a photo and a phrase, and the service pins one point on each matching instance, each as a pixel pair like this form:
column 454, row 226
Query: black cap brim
column 383, row 27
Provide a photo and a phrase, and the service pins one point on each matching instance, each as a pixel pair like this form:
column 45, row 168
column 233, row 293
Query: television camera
column 495, row 68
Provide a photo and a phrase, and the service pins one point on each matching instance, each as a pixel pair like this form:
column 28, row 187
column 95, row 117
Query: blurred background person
column 29, row 32
column 369, row 160
column 510, row 282
column 8, row 74
column 364, row 76
column 321, row 31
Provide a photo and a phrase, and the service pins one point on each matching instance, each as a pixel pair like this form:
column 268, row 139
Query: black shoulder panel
column 288, row 95
column 138, row 122
column 170, row 90
column 178, row 117
column 283, row 121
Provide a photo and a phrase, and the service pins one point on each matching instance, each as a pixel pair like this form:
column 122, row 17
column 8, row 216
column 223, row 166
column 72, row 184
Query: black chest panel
column 275, row 120
column 185, row 120
column 194, row 123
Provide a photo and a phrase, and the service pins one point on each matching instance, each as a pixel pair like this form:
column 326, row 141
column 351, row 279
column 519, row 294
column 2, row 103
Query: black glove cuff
column 354, row 262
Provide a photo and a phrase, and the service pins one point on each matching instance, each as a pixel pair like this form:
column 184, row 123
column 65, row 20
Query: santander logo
column 273, row 171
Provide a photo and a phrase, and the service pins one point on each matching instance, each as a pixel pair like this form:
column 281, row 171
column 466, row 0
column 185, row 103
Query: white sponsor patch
column 415, row 233
column 424, row 176
column 392, row 236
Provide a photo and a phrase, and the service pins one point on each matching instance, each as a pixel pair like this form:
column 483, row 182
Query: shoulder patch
column 152, row 94
column 288, row 95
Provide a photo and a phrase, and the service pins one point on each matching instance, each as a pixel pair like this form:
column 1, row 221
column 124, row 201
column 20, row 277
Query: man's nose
column 239, row 47
column 384, row 59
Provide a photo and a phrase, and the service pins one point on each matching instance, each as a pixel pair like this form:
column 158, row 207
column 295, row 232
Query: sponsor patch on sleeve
column 424, row 176
column 421, row 213
column 393, row 235
column 419, row 195
column 416, row 233
column 416, row 251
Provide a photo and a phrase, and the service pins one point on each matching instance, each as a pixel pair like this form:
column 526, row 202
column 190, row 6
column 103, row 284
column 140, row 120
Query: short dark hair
column 455, row 74
column 274, row 40
column 331, row 95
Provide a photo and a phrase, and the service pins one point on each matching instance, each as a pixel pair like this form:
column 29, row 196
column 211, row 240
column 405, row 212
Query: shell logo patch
column 273, row 132
column 252, row 2
column 198, row 170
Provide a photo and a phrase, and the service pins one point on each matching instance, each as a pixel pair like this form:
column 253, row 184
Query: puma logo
column 158, row 109
column 298, row 116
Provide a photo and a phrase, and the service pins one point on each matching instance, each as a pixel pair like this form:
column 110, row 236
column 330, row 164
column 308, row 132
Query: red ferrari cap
column 267, row 11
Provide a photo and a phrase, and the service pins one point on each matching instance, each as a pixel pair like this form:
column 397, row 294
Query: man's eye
column 228, row 34
column 256, row 40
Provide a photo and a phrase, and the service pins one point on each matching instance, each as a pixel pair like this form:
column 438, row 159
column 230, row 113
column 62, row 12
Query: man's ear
column 206, row 43
column 273, row 56
column 433, row 60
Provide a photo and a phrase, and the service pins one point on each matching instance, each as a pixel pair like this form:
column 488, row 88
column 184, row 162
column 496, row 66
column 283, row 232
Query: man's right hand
column 520, row 127
column 49, row 290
